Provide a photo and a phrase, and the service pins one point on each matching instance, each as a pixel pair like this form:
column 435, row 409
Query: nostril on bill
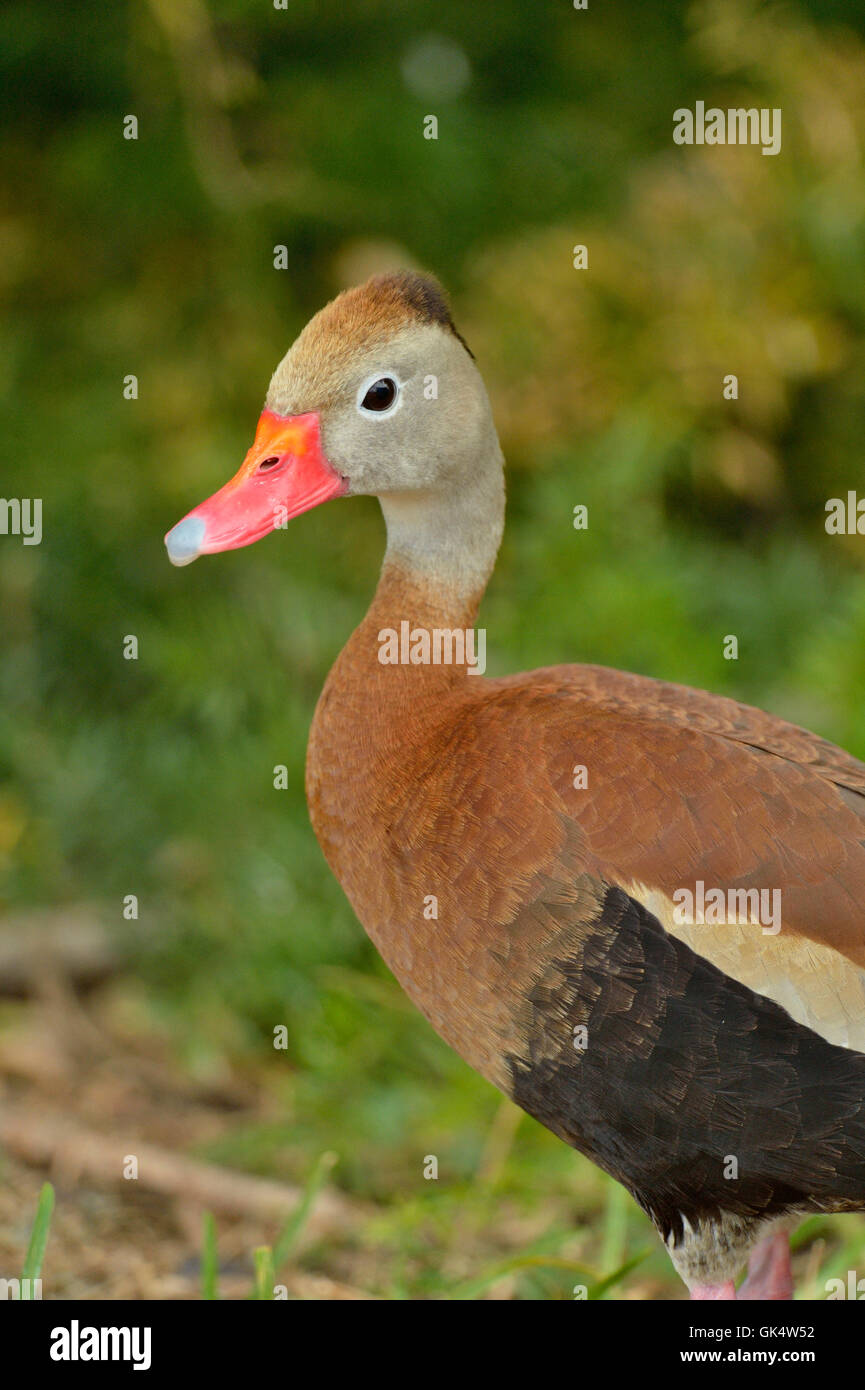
column 184, row 541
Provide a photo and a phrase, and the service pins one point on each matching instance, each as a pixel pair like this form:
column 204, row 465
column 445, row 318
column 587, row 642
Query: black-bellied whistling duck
column 710, row 1057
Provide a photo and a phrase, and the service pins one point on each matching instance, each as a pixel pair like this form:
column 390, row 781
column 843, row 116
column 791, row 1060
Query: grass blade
column 209, row 1259
column 265, row 1276
column 611, row 1280
column 38, row 1239
column 291, row 1231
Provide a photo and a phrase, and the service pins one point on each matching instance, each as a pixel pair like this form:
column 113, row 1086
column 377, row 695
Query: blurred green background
column 304, row 127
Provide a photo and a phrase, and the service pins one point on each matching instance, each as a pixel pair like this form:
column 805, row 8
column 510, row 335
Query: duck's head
column 379, row 395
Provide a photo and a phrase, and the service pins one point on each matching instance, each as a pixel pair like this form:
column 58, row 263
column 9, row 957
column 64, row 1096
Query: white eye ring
column 390, row 409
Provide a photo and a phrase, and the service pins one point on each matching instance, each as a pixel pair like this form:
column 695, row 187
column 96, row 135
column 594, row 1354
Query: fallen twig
column 73, row 1152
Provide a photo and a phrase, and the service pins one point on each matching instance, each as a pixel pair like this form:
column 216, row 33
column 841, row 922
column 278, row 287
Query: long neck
column 448, row 541
column 375, row 725
column 440, row 553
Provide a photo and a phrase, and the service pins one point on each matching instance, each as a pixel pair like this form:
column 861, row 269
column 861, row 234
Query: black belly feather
column 702, row 1097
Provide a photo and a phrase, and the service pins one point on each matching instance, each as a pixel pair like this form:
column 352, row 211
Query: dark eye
column 380, row 395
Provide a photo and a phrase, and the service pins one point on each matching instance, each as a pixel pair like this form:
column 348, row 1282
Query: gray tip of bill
column 184, row 541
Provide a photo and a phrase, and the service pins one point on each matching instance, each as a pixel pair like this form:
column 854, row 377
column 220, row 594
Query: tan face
column 370, row 399
column 398, row 414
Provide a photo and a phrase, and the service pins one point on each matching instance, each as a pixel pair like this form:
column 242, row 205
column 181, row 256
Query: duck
column 522, row 849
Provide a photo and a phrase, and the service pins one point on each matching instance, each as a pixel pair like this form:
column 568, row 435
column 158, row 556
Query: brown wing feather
column 680, row 706
column 685, row 787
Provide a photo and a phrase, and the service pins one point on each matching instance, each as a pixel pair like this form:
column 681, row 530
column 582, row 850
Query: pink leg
column 707, row 1291
column 770, row 1276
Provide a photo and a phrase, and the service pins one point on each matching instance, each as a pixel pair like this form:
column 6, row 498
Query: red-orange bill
column 284, row 473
